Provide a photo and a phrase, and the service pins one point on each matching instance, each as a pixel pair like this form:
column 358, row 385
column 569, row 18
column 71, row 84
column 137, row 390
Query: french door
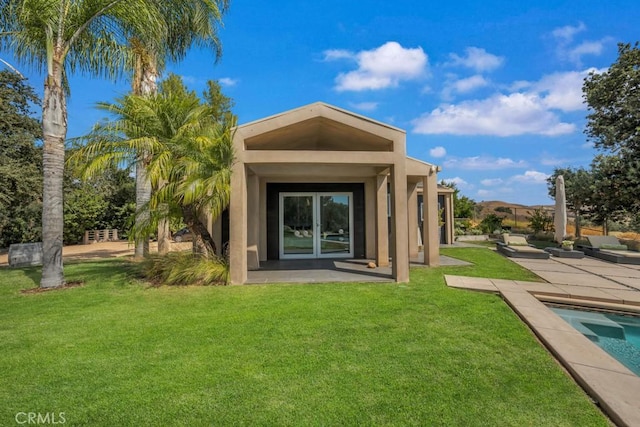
column 316, row 225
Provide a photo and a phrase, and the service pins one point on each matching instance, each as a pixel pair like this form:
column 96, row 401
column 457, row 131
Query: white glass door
column 316, row 225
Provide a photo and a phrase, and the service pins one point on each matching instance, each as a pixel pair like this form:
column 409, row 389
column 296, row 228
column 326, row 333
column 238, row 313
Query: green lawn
column 115, row 352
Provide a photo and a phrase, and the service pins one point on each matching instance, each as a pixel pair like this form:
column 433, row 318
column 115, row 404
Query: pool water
column 616, row 334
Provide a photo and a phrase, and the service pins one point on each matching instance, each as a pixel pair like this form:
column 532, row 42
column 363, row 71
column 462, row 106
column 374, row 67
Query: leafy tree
column 20, row 162
column 463, row 207
column 579, row 187
column 120, row 193
column 214, row 97
column 190, row 155
column 610, row 199
column 83, row 207
column 188, row 23
column 491, row 223
column 106, row 201
column 504, row 210
column 62, row 37
column 540, row 220
column 613, row 124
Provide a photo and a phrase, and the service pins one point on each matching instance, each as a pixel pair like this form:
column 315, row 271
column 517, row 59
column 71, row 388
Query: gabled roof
column 319, row 126
column 317, row 108
column 417, row 167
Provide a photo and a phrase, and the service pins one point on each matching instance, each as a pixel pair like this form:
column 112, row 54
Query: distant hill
column 521, row 211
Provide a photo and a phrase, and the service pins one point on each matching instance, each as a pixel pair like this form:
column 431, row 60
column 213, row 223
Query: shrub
column 491, row 223
column 541, row 221
column 544, row 236
column 519, row 230
column 185, row 268
column 634, row 245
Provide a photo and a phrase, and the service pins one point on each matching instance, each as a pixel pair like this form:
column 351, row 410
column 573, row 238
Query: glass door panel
column 316, row 225
column 335, row 213
column 297, row 225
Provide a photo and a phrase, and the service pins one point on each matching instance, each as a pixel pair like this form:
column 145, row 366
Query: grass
column 118, row 352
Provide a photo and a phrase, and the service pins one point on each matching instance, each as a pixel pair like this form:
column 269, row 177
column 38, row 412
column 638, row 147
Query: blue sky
column 490, row 91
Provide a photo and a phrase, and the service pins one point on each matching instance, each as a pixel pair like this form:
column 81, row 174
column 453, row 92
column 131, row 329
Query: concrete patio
column 584, row 282
column 330, row 270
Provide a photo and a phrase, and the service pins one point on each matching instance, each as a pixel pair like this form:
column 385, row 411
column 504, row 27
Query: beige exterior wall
column 323, row 144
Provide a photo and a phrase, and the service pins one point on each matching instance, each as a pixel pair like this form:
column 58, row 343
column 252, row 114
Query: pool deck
column 585, row 282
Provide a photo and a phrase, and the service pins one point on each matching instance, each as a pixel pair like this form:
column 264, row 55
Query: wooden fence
column 93, row 236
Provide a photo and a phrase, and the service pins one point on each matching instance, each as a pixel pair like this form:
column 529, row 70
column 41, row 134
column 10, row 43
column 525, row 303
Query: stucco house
column 322, row 182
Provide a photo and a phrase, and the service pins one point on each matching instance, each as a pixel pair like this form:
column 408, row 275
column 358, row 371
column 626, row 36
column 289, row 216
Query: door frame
column 316, row 213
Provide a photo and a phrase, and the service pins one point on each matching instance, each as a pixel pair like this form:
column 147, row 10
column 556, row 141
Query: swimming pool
column 618, row 335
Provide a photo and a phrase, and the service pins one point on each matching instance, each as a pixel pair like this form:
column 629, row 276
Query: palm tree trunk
column 54, row 127
column 143, row 195
column 164, row 241
column 145, row 84
column 202, row 241
column 164, row 233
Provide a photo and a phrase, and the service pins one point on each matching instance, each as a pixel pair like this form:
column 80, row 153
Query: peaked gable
column 319, row 127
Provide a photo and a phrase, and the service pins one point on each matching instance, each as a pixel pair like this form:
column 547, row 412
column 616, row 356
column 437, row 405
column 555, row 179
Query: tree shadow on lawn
column 80, row 272
column 33, row 273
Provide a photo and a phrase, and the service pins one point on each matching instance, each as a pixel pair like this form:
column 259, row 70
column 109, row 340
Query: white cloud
column 527, row 109
column 459, row 182
column 491, row 182
column 438, row 152
column 191, row 80
column 565, row 34
column 465, row 85
column 364, row 106
column 494, row 193
column 484, row 163
column 588, row 145
column 500, row 115
column 531, row 177
column 548, row 160
column 228, row 81
column 567, row 51
column 519, row 85
column 497, row 188
column 335, row 54
column 380, row 68
column 562, row 91
column 470, row 83
column 477, row 59
column 586, row 48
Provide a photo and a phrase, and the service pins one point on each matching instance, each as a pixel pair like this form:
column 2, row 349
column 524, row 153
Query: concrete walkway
column 585, row 282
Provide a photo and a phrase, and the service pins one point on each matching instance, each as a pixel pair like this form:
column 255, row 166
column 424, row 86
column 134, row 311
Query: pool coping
column 613, row 386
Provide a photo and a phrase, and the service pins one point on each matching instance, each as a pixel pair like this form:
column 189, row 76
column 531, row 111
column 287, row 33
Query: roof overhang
column 319, row 127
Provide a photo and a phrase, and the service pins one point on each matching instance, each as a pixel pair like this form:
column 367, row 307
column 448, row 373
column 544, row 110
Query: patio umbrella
column 560, row 219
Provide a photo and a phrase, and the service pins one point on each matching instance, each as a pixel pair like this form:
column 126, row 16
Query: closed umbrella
column 560, row 220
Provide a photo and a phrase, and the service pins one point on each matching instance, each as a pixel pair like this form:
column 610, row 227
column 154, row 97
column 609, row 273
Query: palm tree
column 189, row 154
column 62, row 37
column 189, row 23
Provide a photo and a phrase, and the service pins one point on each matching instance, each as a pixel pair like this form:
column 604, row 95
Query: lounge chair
column 518, row 247
column 609, row 249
